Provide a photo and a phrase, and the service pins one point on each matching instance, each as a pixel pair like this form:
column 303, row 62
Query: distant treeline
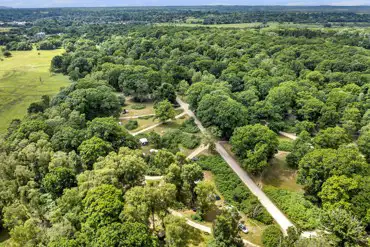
column 208, row 14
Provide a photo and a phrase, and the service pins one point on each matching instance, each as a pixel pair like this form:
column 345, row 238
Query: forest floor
column 24, row 78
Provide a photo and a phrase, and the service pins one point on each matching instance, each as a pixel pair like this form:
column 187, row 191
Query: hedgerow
column 233, row 189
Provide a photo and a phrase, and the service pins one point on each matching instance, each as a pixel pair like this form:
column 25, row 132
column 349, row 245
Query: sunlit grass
column 24, row 78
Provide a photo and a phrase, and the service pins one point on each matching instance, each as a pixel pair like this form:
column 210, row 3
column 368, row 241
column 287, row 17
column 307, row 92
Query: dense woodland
column 209, row 14
column 71, row 176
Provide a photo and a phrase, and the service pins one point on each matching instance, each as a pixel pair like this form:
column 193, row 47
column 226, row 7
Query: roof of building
column 143, row 140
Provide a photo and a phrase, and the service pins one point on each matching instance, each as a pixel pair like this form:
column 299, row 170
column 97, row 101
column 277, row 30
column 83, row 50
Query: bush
column 138, row 107
column 175, row 137
column 285, row 145
column 7, row 53
column 234, row 190
column 189, row 126
column 197, row 217
column 190, row 141
column 272, row 236
column 131, row 125
column 301, row 211
column 46, row 45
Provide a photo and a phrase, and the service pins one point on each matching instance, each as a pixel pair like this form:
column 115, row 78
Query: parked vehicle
column 243, row 228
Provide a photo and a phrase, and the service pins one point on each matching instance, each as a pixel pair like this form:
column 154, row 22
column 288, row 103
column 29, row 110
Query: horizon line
column 205, row 5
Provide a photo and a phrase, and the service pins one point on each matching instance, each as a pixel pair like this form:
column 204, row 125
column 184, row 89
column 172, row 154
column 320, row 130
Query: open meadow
column 24, row 78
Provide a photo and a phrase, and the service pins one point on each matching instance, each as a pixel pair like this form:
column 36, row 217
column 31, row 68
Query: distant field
column 24, row 78
column 4, row 29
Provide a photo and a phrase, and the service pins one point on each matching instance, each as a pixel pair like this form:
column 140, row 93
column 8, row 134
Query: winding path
column 137, row 116
column 197, row 151
column 275, row 212
column 288, row 135
column 206, row 228
column 158, row 124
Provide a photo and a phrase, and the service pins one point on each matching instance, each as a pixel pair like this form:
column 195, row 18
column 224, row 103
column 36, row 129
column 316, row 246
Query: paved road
column 278, row 216
column 185, row 106
column 155, row 125
column 275, row 212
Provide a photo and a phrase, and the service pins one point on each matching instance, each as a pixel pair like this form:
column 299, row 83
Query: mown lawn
column 130, row 105
column 24, row 78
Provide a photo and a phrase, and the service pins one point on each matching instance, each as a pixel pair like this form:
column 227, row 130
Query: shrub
column 189, row 126
column 190, row 141
column 138, row 106
column 285, row 145
column 302, row 212
column 234, row 190
column 272, row 236
column 175, row 137
column 131, row 125
column 197, row 217
column 7, row 53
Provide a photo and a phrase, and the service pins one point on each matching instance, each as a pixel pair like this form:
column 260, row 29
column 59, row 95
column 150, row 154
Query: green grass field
column 24, row 78
column 280, row 175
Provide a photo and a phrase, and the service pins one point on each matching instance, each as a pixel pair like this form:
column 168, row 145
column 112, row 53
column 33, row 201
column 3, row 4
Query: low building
column 144, row 141
column 40, row 35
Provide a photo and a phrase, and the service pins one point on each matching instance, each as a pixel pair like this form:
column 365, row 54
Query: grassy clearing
column 175, row 124
column 145, row 122
column 280, row 175
column 24, row 78
column 142, row 122
column 130, row 105
column 255, row 228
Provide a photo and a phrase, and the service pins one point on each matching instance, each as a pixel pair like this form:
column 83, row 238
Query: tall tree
column 255, row 144
column 164, row 111
column 225, row 230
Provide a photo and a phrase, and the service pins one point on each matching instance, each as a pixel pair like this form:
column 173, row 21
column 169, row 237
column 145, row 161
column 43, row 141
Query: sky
column 107, row 3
